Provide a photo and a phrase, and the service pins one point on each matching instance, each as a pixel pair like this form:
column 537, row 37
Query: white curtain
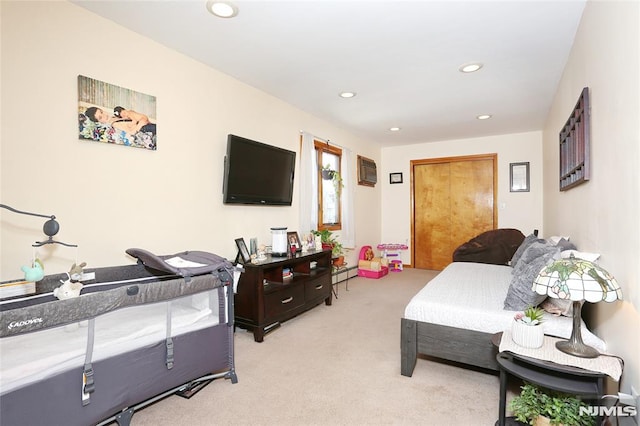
column 348, row 235
column 308, row 178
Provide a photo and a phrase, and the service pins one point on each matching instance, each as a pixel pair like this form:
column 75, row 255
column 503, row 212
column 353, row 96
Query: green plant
column 559, row 408
column 327, row 237
column 533, row 315
column 333, row 175
column 337, row 250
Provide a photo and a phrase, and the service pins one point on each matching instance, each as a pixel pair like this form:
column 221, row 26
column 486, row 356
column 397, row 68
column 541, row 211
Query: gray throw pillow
column 566, row 245
column 520, row 295
column 521, row 249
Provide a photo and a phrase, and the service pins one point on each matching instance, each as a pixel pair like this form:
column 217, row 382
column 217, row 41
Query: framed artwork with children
column 115, row 115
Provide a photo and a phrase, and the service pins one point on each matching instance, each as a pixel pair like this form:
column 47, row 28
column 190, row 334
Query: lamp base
column 575, row 346
column 578, row 349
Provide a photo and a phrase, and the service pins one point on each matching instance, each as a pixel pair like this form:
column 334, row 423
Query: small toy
column 35, row 272
column 68, row 289
column 75, row 273
column 72, row 286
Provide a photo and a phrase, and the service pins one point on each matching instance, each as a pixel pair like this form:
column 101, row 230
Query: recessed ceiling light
column 394, row 129
column 470, row 67
column 484, row 117
column 347, row 94
column 222, row 9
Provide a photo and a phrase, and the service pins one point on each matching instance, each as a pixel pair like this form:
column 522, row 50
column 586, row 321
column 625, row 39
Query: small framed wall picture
column 519, row 177
column 395, row 177
column 294, row 241
column 243, row 254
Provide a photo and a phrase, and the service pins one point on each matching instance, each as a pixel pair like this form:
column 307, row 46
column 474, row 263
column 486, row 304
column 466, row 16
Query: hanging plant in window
column 333, row 175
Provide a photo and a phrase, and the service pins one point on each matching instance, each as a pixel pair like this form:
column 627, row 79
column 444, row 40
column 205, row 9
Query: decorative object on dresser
column 243, row 255
column 577, row 280
column 265, row 298
column 294, row 242
column 279, row 245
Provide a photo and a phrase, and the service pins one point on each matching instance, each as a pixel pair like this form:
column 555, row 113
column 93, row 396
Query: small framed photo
column 243, row 253
column 395, row 178
column 294, row 241
column 519, row 177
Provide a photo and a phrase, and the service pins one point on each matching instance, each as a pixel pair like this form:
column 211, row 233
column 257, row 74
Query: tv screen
column 257, row 173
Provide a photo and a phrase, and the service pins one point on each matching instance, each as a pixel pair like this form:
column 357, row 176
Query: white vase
column 528, row 336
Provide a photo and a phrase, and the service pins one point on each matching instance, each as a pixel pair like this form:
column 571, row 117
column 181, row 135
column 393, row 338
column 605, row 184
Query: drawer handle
column 319, row 286
column 285, row 301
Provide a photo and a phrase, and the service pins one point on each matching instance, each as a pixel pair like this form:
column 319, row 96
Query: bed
column 455, row 315
column 134, row 335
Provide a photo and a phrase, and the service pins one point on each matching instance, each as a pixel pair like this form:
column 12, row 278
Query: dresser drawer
column 279, row 302
column 319, row 287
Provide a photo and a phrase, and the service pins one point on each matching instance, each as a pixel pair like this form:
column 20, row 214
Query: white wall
column 603, row 215
column 520, row 210
column 110, row 198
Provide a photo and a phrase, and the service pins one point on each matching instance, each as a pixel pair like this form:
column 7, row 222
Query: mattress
column 30, row 357
column 471, row 296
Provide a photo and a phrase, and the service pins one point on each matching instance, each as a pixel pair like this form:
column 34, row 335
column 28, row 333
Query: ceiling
column 400, row 57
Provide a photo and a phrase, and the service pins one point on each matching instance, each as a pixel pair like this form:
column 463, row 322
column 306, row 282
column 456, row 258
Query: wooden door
column 453, row 201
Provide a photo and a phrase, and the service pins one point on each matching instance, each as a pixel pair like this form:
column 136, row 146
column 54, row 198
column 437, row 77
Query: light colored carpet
column 338, row 365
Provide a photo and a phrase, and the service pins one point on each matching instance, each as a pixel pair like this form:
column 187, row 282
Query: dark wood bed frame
column 447, row 343
column 469, row 347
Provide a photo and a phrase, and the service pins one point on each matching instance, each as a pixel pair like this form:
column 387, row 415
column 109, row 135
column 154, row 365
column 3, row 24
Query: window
column 329, row 159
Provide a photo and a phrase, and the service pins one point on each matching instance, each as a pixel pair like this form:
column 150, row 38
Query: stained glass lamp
column 577, row 280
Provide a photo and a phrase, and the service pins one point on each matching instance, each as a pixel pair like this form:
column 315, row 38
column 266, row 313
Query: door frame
column 478, row 157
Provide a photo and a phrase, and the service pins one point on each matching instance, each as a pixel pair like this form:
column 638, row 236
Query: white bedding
column 471, row 296
column 33, row 356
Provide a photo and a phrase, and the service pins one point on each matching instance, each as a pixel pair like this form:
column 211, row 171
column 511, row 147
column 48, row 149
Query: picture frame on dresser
column 243, row 253
column 294, row 241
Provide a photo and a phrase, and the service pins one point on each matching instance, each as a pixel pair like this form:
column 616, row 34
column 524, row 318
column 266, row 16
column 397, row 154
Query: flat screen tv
column 257, row 173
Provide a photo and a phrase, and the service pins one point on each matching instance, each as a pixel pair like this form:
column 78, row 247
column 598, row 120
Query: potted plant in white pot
column 526, row 329
column 537, row 407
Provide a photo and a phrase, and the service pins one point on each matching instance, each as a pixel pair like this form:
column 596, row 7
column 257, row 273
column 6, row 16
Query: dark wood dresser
column 266, row 295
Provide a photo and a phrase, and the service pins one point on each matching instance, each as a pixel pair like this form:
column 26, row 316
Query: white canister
column 279, row 242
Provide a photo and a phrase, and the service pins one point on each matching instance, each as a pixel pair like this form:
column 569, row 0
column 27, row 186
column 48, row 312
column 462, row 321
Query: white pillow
column 554, row 239
column 591, row 257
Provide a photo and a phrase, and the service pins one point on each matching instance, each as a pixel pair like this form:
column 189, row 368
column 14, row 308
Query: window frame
column 320, row 148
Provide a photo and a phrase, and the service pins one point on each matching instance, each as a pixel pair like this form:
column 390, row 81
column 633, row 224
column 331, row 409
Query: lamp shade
column 577, row 279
